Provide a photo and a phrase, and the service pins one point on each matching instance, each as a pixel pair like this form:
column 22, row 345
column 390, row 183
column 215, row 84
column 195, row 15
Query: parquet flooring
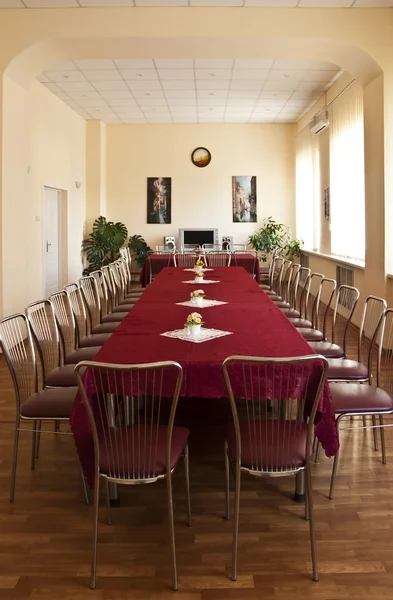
column 45, row 535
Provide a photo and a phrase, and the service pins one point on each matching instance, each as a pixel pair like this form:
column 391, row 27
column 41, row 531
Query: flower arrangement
column 198, row 273
column 194, row 319
column 200, row 262
column 197, row 294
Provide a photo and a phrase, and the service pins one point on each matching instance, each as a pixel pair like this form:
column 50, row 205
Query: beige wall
column 201, row 197
column 44, row 143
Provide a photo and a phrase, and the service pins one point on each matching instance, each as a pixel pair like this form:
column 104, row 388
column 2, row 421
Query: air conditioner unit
column 320, row 122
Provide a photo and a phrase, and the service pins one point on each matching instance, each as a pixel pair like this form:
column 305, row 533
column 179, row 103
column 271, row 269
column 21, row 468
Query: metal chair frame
column 185, row 260
column 220, row 258
column 46, row 335
column 153, row 274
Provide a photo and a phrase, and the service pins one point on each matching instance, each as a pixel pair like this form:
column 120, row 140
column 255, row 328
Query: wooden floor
column 45, row 535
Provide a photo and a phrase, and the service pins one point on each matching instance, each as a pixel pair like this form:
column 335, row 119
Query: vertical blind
column 305, row 188
column 347, row 198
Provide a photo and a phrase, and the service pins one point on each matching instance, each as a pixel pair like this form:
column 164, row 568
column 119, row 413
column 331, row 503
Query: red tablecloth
column 160, row 261
column 259, row 329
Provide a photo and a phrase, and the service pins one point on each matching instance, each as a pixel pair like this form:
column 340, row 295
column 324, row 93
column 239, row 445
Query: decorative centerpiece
column 197, row 297
column 198, row 277
column 194, row 323
column 199, row 264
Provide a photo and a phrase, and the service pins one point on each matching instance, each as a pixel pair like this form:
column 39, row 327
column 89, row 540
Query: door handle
column 47, row 246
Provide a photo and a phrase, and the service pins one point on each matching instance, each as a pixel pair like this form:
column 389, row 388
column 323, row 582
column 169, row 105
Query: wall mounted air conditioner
column 320, row 122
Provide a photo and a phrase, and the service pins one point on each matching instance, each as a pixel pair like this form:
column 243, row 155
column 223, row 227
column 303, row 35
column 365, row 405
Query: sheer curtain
column 306, row 185
column 347, row 201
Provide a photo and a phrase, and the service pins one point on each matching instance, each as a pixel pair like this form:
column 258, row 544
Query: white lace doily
column 204, row 282
column 204, row 336
column 206, row 303
column 202, row 270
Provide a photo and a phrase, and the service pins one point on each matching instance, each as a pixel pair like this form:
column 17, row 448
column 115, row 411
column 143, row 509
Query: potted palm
column 103, row 244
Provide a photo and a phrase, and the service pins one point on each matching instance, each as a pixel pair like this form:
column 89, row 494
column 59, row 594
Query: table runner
column 260, row 329
column 161, row 261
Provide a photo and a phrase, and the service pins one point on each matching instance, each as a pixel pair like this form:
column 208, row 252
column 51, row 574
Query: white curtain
column 306, row 185
column 347, row 200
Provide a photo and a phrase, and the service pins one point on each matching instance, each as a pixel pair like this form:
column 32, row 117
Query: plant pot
column 194, row 330
column 198, row 279
column 199, row 300
column 193, row 300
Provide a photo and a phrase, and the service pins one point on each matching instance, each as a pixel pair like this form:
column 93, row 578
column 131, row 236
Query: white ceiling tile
column 148, row 94
column 212, row 94
column 272, row 3
column 211, row 119
column 311, row 86
column 246, row 94
column 51, row 3
column 139, row 74
column 216, row 2
column 239, row 110
column 170, row 94
column 283, row 95
column 268, row 112
column 53, row 87
column 255, row 63
column 102, row 75
column 11, row 4
column 213, row 63
column 302, row 65
column 155, row 110
column 144, row 85
column 134, row 63
column 278, row 86
column 65, row 76
column 235, row 119
column 325, row 3
column 63, row 96
column 43, row 78
column 66, row 65
column 174, row 63
column 183, row 109
column 182, row 102
column 177, row 74
column 84, row 114
column 277, row 102
column 244, row 102
column 87, row 95
column 117, row 87
column 76, row 86
column 212, row 84
column 211, row 101
column 296, row 102
column 261, row 119
column 213, row 74
column 115, row 102
column 95, row 63
column 208, row 110
column 287, row 119
column 173, row 84
column 129, row 113
column 184, row 119
column 92, row 103
column 112, row 95
column 293, row 110
column 319, row 75
column 258, row 74
column 131, row 120
column 99, row 112
column 304, row 95
column 247, row 84
column 152, row 102
column 286, row 75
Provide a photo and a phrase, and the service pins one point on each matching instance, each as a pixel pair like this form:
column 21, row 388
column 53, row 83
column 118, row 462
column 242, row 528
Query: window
column 347, row 196
column 306, row 184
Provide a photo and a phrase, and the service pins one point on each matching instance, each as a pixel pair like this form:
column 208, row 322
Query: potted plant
column 139, row 248
column 274, row 235
column 197, row 297
column 103, row 244
column 198, row 277
column 199, row 264
column 194, row 323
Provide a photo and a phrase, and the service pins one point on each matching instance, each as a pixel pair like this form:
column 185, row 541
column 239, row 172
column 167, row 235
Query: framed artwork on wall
column 244, row 199
column 159, row 200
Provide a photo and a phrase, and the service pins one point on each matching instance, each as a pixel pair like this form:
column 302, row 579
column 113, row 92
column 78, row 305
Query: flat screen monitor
column 198, row 236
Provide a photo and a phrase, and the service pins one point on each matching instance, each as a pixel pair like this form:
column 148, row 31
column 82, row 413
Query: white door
column 51, row 240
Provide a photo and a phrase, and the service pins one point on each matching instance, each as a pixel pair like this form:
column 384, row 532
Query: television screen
column 199, row 237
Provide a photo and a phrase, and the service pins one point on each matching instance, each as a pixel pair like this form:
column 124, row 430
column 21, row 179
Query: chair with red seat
column 131, row 411
column 83, row 325
column 309, row 303
column 273, row 402
column 216, row 258
column 290, row 283
column 357, row 399
column 298, row 301
column 94, row 296
column 187, row 260
column 317, row 333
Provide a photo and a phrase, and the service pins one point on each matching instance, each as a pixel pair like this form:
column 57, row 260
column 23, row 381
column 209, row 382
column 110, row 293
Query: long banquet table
column 259, row 329
column 246, row 260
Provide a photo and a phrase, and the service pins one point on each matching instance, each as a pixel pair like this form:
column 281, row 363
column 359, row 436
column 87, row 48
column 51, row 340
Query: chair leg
column 227, row 501
column 34, row 445
column 171, row 531
column 333, row 478
column 236, row 511
column 37, row 450
column 316, row 449
column 312, row 525
column 383, row 445
column 14, row 461
column 108, row 504
column 96, row 508
column 187, row 476
column 375, row 432
column 85, row 491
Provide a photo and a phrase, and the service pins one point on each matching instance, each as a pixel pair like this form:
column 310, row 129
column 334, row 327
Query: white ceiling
column 186, row 90
column 172, row 3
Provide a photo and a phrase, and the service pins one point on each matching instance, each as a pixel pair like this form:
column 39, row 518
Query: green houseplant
column 139, row 247
column 103, row 244
column 274, row 235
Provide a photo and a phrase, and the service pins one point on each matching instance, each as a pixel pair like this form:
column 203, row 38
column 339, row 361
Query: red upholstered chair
column 155, row 267
column 218, row 259
column 184, row 261
column 133, row 433
column 118, row 304
column 317, row 333
column 310, row 302
column 250, row 266
column 272, row 271
column 125, row 273
column 33, row 405
column 356, row 399
column 273, row 425
column 94, row 296
column 288, row 288
column 298, row 301
column 83, row 326
column 275, row 276
column 346, row 300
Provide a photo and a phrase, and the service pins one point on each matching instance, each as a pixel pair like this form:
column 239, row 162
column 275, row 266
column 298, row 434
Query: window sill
column 336, row 259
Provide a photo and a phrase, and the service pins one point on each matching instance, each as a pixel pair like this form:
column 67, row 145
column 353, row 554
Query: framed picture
column 159, row 200
column 244, row 199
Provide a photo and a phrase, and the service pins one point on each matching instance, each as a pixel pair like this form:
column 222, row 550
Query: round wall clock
column 201, row 157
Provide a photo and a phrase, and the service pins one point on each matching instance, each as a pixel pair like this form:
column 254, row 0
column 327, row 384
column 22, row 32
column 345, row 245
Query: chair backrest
column 164, row 249
column 239, row 248
column 65, row 321
column 131, row 426
column 249, row 265
column 91, row 296
column 109, row 287
column 346, row 300
column 312, row 297
column 211, row 247
column 185, row 260
column 326, row 293
column 156, row 266
column 104, row 296
column 46, row 335
column 18, row 349
column 369, row 332
column 190, row 248
column 79, row 310
column 283, row 273
column 117, row 282
column 385, row 353
column 125, row 273
column 274, row 402
column 218, row 259
column 291, row 281
column 275, row 274
column 302, row 278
